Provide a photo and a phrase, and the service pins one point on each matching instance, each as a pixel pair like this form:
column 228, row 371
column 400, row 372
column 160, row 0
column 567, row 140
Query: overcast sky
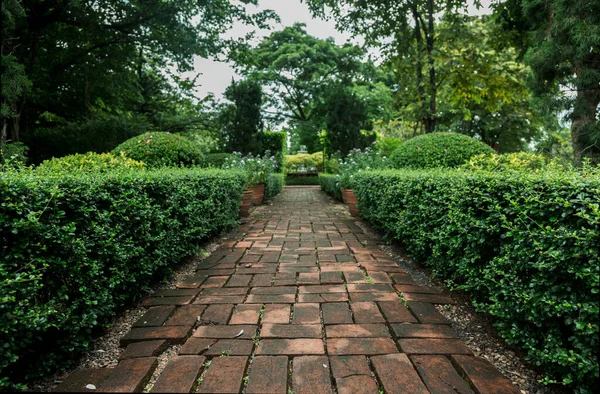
column 216, row 76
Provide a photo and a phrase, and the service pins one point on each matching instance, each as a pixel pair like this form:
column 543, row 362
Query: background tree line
column 85, row 76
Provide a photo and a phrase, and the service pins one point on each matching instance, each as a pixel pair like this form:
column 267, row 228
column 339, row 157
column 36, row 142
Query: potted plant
column 246, row 203
column 257, row 169
column 348, row 195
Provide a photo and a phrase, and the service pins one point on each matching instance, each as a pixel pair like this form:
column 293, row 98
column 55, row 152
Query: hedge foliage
column 274, row 185
column 526, row 247
column 13, row 155
column 89, row 162
column 519, row 161
column 292, row 180
column 77, row 247
column 161, row 149
column 304, row 162
column 330, row 184
column 438, row 150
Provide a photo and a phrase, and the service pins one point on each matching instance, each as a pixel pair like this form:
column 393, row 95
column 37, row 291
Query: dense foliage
column 525, row 247
column 70, row 61
column 14, row 154
column 78, row 246
column 101, row 134
column 561, row 43
column 273, row 185
column 242, row 118
column 522, row 161
column 304, row 162
column 330, row 184
column 257, row 168
column 88, row 163
column 216, row 160
column 292, row 179
column 275, row 143
column 438, row 150
column 358, row 161
column 161, row 149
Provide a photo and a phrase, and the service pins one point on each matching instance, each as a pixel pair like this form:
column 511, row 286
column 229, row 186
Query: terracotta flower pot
column 246, row 203
column 350, row 200
column 258, row 194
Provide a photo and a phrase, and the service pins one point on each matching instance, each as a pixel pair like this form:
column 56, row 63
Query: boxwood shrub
column 438, row 150
column 76, row 247
column 273, row 185
column 302, row 180
column 330, row 184
column 161, row 149
column 526, row 248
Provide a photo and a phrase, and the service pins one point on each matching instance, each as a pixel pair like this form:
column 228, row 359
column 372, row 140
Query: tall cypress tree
column 244, row 115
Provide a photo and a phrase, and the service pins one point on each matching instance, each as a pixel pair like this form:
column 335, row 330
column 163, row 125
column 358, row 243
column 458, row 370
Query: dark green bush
column 438, row 150
column 301, row 180
column 216, row 160
column 13, row 154
column 273, row 185
column 274, row 142
column 330, row 184
column 161, row 149
column 77, row 247
column 525, row 247
column 99, row 135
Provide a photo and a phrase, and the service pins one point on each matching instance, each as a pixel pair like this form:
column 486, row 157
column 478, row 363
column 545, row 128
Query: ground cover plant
column 523, row 246
column 78, row 246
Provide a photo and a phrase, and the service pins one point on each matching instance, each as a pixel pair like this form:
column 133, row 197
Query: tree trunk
column 432, row 78
column 584, row 120
column 3, row 134
column 419, row 66
column 15, row 129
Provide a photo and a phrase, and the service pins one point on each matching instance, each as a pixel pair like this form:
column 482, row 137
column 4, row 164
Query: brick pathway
column 302, row 301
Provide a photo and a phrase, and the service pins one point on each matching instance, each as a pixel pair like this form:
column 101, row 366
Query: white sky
column 216, row 76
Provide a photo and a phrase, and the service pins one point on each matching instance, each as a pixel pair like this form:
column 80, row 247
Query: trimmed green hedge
column 301, row 180
column 274, row 185
column 90, row 162
column 330, row 184
column 77, row 247
column 526, row 248
column 438, row 150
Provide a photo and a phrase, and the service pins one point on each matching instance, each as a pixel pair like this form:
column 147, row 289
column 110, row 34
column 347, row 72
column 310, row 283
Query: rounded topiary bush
column 161, row 149
column 438, row 150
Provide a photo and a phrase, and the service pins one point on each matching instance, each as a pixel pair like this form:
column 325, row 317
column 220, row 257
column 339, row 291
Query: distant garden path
column 302, row 301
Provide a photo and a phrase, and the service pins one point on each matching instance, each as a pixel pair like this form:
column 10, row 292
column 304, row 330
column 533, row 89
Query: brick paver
column 300, row 300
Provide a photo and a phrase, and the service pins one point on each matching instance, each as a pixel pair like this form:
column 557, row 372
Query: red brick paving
column 299, row 299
